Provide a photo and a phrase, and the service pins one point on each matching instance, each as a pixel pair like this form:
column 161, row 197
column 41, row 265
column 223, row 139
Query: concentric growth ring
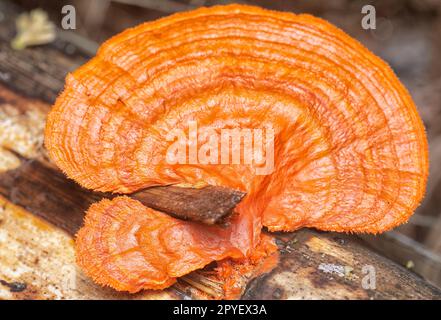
column 350, row 152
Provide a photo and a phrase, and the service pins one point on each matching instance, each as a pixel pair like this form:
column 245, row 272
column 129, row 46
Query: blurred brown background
column 408, row 37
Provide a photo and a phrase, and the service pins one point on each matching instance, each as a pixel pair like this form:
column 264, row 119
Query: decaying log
column 317, row 265
column 37, row 72
column 312, row 264
column 407, row 251
column 40, row 260
column 43, row 190
column 40, row 210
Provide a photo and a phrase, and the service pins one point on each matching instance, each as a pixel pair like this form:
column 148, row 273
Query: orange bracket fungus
column 350, row 152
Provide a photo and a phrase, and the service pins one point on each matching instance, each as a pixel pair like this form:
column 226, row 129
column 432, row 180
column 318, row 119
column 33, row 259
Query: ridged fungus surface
column 350, row 152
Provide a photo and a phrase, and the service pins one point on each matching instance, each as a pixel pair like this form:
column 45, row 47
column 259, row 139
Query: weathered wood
column 319, row 265
column 39, row 71
column 38, row 261
column 47, row 193
column 209, row 205
column 33, row 252
column 407, row 251
column 312, row 265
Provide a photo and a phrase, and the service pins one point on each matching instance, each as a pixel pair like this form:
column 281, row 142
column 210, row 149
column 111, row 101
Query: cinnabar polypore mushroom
column 350, row 148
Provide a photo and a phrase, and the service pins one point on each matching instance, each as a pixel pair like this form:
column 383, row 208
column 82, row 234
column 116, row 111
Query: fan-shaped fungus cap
column 350, row 150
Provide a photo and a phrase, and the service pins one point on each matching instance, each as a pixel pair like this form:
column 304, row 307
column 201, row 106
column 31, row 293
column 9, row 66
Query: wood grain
column 313, row 265
column 208, row 205
column 43, row 190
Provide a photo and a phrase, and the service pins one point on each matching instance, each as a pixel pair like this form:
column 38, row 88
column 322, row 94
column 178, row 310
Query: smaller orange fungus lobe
column 235, row 274
column 136, row 247
column 350, row 151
